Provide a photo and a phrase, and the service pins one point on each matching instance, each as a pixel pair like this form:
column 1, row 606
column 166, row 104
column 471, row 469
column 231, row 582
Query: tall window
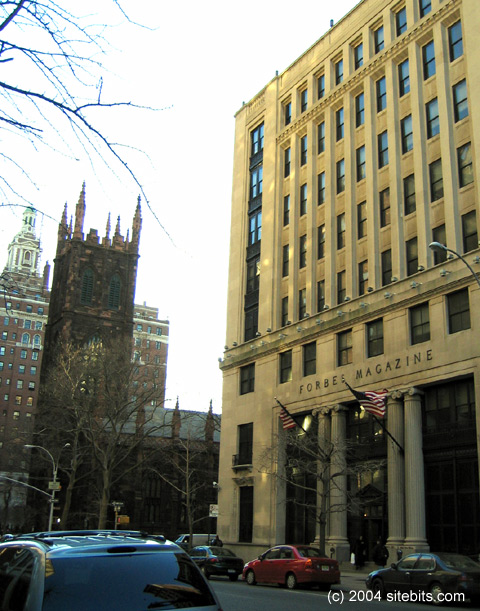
column 303, row 251
column 257, row 140
column 362, row 219
column 284, row 313
column 247, row 379
column 436, row 180
column 469, row 231
column 361, row 170
column 251, row 323
column 340, row 176
column 341, row 287
column 285, row 366
column 358, row 56
column 409, row 200
column 320, row 295
column 384, row 198
column 245, row 517
column 381, row 87
column 374, row 338
column 386, row 267
column 383, row 149
column 439, row 235
column 321, row 188
column 465, row 165
column 455, row 41
column 321, row 137
column 245, row 444
column 286, row 210
column 460, row 103
column 302, row 303
column 321, row 241
column 303, row 150
column 253, row 275
column 401, row 21
column 287, row 161
column 255, row 228
column 340, row 123
column 303, row 199
column 362, row 277
column 309, row 358
column 411, row 252
column 285, row 260
column 406, row 130
column 344, row 348
column 428, row 58
column 341, row 230
column 256, row 181
column 404, row 77
column 321, row 86
column 425, row 7
column 114, row 292
column 419, row 324
column 433, row 120
column 378, row 39
column 359, row 109
column 304, row 100
column 288, row 113
column 458, row 311
column 339, row 72
column 87, row 287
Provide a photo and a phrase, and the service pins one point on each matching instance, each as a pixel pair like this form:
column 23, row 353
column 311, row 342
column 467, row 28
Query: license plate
column 325, row 567
column 231, row 571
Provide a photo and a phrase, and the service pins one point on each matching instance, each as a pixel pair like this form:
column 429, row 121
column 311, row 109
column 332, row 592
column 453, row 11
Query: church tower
column 93, row 287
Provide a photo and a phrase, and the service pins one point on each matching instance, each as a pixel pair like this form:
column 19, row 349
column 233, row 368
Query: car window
column 143, row 580
column 286, row 553
column 408, row 562
column 221, row 551
column 457, row 561
column 425, row 563
column 16, row 567
column 272, row 554
column 198, row 551
column 309, row 552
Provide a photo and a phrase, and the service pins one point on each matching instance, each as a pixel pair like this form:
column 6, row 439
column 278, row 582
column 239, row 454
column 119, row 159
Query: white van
column 183, row 540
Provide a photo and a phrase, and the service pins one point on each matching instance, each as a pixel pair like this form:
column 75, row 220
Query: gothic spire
column 80, row 214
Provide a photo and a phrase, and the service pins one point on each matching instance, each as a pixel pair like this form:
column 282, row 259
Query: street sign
column 123, row 520
column 54, row 486
column 213, row 511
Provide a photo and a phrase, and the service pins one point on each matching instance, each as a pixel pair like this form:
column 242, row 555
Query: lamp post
column 53, row 485
column 438, row 247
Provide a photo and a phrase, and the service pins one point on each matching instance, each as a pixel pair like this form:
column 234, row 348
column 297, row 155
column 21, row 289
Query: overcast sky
column 197, row 61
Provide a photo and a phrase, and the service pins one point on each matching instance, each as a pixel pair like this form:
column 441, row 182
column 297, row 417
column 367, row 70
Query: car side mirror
column 394, row 565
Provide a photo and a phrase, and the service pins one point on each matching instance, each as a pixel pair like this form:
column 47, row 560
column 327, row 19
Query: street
column 238, row 596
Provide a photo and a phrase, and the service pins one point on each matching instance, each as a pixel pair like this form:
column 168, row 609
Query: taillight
column 463, row 578
column 309, row 564
column 213, row 559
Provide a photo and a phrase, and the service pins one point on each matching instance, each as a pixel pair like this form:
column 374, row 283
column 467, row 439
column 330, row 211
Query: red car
column 291, row 565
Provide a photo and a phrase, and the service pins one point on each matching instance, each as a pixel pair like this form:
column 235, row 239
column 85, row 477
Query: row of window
column 149, row 329
column 458, row 319
column 137, row 357
column 37, row 340
column 148, row 343
column 21, row 383
column 22, row 369
column 455, row 46
column 18, row 401
column 28, row 310
column 114, row 289
column 469, row 236
column 23, row 353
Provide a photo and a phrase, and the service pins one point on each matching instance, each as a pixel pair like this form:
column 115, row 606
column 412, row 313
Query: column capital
column 321, row 411
column 339, row 408
column 413, row 390
column 395, row 394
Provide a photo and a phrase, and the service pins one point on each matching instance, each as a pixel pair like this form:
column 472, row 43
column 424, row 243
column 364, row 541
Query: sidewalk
column 352, row 579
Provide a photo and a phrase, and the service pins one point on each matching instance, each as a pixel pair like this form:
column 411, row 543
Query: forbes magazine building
column 348, row 165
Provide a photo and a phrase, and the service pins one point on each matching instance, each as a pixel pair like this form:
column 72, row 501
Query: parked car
column 108, row 570
column 291, row 565
column 217, row 561
column 184, row 540
column 434, row 574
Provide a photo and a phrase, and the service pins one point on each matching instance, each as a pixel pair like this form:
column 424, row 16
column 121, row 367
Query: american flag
column 372, row 402
column 287, row 421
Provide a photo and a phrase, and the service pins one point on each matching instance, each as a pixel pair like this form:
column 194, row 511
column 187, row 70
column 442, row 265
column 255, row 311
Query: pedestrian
column 380, row 554
column 217, row 541
column 359, row 551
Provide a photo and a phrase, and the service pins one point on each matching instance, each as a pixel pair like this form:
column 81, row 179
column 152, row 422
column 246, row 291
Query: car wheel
column 435, row 590
column 233, row 577
column 379, row 588
column 250, row 578
column 206, row 573
column 291, row 581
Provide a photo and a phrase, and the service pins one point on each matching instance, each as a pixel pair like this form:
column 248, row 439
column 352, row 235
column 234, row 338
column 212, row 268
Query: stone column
column 396, row 474
column 338, row 486
column 324, row 442
column 414, row 474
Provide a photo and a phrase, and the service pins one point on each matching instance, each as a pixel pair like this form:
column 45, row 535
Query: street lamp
column 438, row 247
column 53, row 485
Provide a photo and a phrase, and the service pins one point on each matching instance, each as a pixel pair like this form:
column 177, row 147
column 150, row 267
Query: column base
column 341, row 549
column 412, row 545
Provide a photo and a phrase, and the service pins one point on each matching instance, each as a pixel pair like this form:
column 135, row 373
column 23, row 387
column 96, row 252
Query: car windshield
column 221, row 551
column 309, row 552
column 457, row 561
column 117, row 581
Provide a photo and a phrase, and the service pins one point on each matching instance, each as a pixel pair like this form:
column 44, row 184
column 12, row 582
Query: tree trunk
column 102, row 514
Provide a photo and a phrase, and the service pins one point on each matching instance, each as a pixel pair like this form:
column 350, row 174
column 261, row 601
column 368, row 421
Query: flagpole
column 388, row 433
column 283, row 407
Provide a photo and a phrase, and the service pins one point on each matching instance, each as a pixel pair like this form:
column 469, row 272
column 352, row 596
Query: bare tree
column 315, row 469
column 52, row 86
column 95, row 400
